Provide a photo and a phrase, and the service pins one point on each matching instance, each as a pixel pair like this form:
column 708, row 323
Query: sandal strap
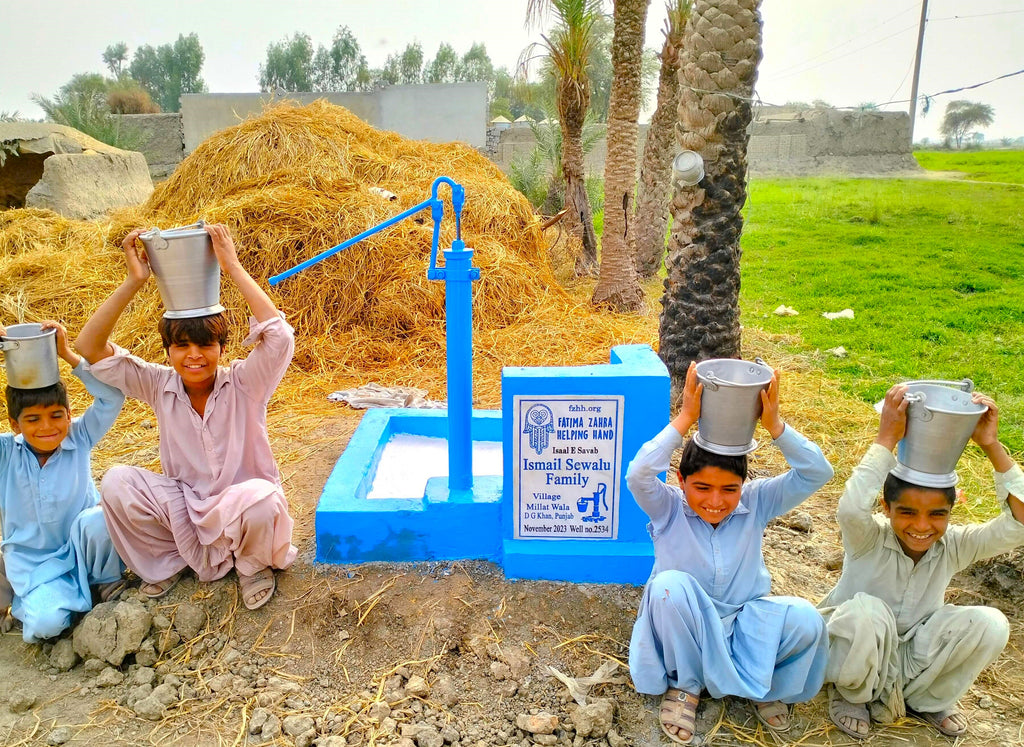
column 685, row 717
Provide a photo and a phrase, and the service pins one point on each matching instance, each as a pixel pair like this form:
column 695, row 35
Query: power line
column 977, row 15
column 847, row 54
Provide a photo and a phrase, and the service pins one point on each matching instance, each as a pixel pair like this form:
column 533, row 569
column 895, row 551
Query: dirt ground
column 436, row 653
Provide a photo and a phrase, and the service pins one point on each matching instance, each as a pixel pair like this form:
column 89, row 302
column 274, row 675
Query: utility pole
column 917, row 68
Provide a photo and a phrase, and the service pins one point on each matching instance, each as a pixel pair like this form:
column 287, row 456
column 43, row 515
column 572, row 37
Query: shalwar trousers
column 769, row 648
column 927, row 669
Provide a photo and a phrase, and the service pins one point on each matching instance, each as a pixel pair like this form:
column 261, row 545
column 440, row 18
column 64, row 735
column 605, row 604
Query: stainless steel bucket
column 940, row 420
column 730, row 404
column 30, row 356
column 185, row 269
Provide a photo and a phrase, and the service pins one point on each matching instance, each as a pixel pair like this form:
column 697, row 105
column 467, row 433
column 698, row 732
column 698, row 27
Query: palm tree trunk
column 718, row 69
column 580, row 221
column 654, row 192
column 618, row 286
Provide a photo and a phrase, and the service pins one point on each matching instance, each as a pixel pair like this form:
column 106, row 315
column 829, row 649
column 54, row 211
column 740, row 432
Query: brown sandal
column 111, row 591
column 773, row 709
column 679, row 709
column 160, row 589
column 252, row 585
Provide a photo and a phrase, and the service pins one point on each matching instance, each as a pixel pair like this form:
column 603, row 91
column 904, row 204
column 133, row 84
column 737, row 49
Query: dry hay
column 293, row 182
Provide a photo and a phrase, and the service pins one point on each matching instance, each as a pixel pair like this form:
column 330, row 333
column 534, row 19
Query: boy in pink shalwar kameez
column 219, row 503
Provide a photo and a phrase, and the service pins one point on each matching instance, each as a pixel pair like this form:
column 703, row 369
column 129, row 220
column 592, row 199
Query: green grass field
column 934, row 272
column 978, row 165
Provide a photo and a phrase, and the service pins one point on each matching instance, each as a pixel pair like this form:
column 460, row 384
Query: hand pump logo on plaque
column 568, row 452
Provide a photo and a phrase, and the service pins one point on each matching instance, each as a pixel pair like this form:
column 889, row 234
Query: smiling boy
column 894, row 646
column 55, row 540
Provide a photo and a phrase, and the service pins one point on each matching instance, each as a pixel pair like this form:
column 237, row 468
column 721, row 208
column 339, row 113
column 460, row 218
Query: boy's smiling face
column 919, row 517
column 43, row 426
column 195, row 364
column 713, row 493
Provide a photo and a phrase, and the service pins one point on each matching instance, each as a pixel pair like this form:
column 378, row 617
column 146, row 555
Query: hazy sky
column 844, row 52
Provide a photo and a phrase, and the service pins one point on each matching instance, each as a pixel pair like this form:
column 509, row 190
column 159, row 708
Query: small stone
column 405, row 742
column 143, row 676
column 306, row 739
column 985, row 702
column 518, row 662
column 257, row 719
column 109, row 677
column 220, row 682
column 60, row 735
column 417, row 687
column 63, row 656
column 393, row 696
column 834, row 562
column 186, row 692
column 296, row 725
column 333, row 741
column 150, row 708
column 112, row 631
column 20, row 702
column 138, row 693
column 388, row 725
column 593, row 719
column 167, row 640
column 799, row 520
column 545, row 739
column 230, row 656
column 160, row 622
column 166, row 694
column 271, row 728
column 146, row 655
column 93, row 667
column 189, row 619
column 172, row 680
column 508, row 688
column 839, row 351
column 445, row 691
column 450, row 734
column 615, row 739
column 379, row 710
column 500, row 670
column 541, row 723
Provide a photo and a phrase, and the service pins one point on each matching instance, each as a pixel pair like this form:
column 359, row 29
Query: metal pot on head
column 940, row 420
column 30, row 356
column 730, row 404
column 186, row 270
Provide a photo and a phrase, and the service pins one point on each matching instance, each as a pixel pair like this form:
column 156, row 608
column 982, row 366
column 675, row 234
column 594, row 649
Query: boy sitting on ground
column 706, row 620
column 55, row 541
column 894, row 646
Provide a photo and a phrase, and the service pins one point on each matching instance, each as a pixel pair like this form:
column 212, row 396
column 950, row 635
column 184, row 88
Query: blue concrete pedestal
column 439, row 525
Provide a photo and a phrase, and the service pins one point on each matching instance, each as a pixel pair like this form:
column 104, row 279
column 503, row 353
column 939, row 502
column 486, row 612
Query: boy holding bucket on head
column 894, row 646
column 706, row 621
column 219, row 504
column 55, row 541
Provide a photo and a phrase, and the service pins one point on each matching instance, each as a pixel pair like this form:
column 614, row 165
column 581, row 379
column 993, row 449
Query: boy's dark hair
column 20, row 399
column 694, row 459
column 893, row 488
column 202, row 330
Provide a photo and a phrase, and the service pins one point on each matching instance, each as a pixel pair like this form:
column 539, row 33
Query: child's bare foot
column 851, row 718
column 7, row 622
column 679, row 715
column 160, row 589
column 950, row 722
column 774, row 714
column 258, row 588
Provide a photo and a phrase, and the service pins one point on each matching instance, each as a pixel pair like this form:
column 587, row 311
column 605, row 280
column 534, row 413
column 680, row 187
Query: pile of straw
column 293, row 182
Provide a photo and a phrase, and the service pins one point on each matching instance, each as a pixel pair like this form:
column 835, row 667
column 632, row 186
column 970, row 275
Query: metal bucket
column 185, row 269
column 730, row 404
column 30, row 355
column 940, row 420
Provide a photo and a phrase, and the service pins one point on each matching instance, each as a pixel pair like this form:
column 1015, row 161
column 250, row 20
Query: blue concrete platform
column 440, row 525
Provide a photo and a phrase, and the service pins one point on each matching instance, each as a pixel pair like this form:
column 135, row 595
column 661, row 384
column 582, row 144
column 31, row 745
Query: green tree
column 82, row 103
column 349, row 71
column 410, row 64
column 288, row 65
column 114, row 58
column 567, row 48
column 963, row 116
column 444, row 68
column 170, row 70
column 477, row 65
column 618, row 286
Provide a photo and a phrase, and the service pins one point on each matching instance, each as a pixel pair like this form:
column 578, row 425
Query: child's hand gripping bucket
column 30, row 356
column 186, row 270
column 730, row 404
column 940, row 420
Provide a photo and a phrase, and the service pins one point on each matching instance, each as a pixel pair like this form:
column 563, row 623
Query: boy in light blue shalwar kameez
column 55, row 541
column 706, row 620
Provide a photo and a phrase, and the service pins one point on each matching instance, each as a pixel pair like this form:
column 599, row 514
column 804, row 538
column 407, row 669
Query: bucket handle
column 713, row 382
column 6, row 345
column 159, row 242
column 965, row 385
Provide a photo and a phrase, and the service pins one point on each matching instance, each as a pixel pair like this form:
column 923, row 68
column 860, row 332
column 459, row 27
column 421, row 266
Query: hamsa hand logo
column 540, row 423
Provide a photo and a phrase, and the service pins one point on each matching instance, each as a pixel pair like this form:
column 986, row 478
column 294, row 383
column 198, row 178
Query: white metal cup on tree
column 30, row 356
column 730, row 404
column 186, row 270
column 940, row 420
